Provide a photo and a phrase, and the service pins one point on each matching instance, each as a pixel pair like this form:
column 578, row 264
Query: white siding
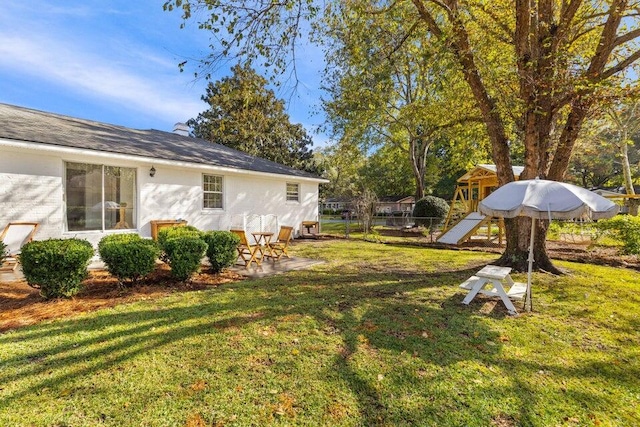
column 32, row 188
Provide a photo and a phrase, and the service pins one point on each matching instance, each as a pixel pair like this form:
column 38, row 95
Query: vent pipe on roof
column 181, row 129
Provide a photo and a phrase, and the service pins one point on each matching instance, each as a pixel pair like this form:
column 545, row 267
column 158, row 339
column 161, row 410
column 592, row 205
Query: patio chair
column 15, row 235
column 279, row 246
column 246, row 252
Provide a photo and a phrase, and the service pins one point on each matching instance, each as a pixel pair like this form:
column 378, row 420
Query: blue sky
column 117, row 62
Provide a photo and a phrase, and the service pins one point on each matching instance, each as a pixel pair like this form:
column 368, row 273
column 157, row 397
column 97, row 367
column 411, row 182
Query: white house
column 80, row 178
column 337, row 203
column 391, row 204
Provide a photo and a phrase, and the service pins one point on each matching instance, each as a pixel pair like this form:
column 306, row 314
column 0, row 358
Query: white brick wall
column 177, row 193
column 32, row 198
column 31, row 189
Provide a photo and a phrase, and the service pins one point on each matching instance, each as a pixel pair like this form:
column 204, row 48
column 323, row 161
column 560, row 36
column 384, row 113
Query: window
column 212, row 191
column 100, row 197
column 293, row 192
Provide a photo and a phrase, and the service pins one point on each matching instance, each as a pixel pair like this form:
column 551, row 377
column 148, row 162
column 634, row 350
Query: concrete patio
column 270, row 268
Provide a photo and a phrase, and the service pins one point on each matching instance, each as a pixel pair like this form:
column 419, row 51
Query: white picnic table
column 501, row 285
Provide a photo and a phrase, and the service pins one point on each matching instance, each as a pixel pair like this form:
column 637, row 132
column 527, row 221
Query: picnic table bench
column 502, row 286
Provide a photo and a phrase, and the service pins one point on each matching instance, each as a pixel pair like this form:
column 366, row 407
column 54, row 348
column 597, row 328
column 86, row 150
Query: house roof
column 607, row 193
column 485, row 170
column 26, row 125
column 339, row 199
column 396, row 199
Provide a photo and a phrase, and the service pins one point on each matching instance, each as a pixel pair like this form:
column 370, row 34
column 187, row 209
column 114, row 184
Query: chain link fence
column 345, row 225
column 430, row 228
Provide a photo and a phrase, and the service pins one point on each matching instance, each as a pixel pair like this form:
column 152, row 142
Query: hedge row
column 58, row 266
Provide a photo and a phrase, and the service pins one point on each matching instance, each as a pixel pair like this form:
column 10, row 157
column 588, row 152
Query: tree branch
column 508, row 35
column 627, row 37
column 619, row 66
column 567, row 13
column 403, row 40
column 428, row 18
column 607, row 37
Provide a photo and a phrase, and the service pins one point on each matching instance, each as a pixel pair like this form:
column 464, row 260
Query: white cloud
column 123, row 56
column 96, row 76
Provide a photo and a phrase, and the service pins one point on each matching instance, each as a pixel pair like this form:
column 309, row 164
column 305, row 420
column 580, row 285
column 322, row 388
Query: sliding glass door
column 100, row 197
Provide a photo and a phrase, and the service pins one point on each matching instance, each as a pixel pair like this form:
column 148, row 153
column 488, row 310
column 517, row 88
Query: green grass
column 339, row 227
column 376, row 336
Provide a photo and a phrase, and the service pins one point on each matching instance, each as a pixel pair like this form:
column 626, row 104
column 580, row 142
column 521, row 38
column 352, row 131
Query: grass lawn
column 376, row 336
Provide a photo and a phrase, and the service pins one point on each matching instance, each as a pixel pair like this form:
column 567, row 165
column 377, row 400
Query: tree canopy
column 397, row 93
column 245, row 115
column 608, row 152
column 535, row 70
column 387, row 172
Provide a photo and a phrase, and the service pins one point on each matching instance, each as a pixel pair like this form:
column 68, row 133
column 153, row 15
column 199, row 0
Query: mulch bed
column 576, row 252
column 22, row 305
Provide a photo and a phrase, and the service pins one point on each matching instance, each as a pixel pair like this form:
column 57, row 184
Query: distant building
column 337, row 203
column 390, row 204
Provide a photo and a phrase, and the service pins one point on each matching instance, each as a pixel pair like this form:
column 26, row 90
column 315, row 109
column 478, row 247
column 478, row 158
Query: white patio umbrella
column 540, row 199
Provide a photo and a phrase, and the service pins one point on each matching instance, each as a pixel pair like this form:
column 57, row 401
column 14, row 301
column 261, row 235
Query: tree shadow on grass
column 112, row 337
column 397, row 313
column 453, row 339
column 441, row 335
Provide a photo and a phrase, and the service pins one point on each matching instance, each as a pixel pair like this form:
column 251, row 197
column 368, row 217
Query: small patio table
column 496, row 276
column 263, row 239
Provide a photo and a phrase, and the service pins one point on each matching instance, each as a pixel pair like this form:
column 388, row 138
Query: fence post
column 431, row 229
column 347, row 218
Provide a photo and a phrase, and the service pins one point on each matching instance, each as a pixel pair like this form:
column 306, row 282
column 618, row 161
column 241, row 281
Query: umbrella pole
column 528, row 306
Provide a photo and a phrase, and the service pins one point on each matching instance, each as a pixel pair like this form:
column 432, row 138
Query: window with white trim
column 212, row 189
column 293, row 192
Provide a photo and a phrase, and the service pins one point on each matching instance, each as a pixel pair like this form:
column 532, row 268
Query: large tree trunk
column 539, row 38
column 418, row 150
column 516, row 255
column 418, row 175
column 628, row 179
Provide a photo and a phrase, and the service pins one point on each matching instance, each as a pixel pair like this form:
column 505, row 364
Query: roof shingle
column 23, row 124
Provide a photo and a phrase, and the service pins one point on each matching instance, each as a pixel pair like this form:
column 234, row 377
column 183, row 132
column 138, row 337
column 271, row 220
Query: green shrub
column 624, row 228
column 221, row 249
column 184, row 255
column 569, row 230
column 555, row 229
column 430, row 210
column 176, row 231
column 128, row 256
column 3, row 252
column 56, row 266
